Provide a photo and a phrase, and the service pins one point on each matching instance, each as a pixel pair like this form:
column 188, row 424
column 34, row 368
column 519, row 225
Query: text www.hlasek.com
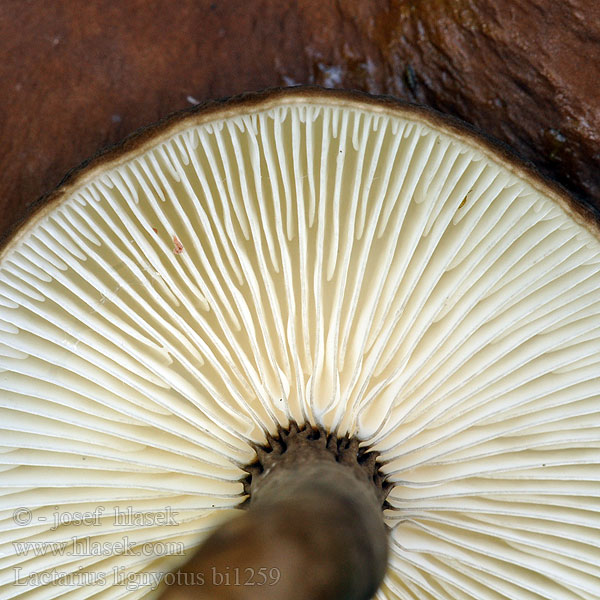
column 87, row 546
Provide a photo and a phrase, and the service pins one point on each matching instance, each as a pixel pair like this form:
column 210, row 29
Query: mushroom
column 321, row 262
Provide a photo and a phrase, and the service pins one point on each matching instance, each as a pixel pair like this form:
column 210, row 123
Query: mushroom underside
column 362, row 269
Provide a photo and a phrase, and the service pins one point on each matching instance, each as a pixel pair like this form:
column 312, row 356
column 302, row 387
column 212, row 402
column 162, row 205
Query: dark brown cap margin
column 252, row 102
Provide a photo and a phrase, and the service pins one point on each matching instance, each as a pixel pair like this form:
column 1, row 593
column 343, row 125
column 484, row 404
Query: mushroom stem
column 314, row 529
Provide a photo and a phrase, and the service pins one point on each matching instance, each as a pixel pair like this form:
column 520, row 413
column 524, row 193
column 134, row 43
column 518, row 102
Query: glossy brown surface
column 78, row 76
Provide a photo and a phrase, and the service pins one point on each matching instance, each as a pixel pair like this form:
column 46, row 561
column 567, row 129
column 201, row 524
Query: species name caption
column 135, row 580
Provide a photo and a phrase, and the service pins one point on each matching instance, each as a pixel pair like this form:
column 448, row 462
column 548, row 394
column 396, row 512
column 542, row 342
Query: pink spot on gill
column 178, row 249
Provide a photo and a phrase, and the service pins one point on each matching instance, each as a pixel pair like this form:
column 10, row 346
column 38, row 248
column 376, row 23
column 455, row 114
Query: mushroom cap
column 323, row 257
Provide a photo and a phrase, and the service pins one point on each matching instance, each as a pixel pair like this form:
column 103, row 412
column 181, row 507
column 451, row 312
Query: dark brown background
column 78, row 75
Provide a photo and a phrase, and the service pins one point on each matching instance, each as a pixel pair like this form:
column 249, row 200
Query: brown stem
column 314, row 530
